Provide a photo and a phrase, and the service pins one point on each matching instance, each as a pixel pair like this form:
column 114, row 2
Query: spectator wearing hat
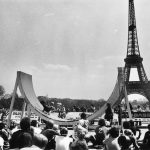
column 63, row 141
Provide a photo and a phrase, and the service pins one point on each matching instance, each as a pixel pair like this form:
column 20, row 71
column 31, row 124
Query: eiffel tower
column 134, row 60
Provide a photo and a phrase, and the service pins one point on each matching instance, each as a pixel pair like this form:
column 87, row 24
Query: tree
column 2, row 90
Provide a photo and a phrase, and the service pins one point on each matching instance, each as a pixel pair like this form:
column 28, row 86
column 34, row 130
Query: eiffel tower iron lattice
column 124, row 86
column 134, row 60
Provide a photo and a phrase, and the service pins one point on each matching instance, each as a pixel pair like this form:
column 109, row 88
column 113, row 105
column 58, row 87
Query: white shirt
column 62, row 142
column 112, row 144
column 1, row 142
column 84, row 123
column 36, row 130
column 76, row 128
column 33, row 147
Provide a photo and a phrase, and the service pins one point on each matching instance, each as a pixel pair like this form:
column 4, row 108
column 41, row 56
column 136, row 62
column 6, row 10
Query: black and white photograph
column 74, row 75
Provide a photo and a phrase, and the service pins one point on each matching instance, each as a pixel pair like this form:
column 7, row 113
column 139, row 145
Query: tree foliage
column 2, row 90
column 5, row 103
column 67, row 102
column 70, row 103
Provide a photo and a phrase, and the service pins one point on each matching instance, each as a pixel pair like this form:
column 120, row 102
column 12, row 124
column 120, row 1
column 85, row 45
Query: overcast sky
column 71, row 47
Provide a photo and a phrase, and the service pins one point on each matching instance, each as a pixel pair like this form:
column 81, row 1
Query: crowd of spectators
column 30, row 136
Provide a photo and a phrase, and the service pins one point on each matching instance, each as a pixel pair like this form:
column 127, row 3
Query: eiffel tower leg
column 147, row 90
column 127, row 73
column 141, row 72
column 127, row 103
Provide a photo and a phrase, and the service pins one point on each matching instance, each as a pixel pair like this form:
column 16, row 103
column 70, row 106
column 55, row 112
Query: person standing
column 109, row 113
column 119, row 114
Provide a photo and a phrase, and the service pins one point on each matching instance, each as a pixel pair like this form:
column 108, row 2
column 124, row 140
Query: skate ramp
column 27, row 91
column 114, row 98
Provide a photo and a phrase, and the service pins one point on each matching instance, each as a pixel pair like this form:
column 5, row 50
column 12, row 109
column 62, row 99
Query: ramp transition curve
column 24, row 81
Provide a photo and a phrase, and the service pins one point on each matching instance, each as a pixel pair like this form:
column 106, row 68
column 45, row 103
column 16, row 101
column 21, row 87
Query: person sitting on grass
column 135, row 129
column 132, row 141
column 25, row 125
column 100, row 134
column 50, row 134
column 36, row 129
column 62, row 140
column 80, row 143
column 39, row 142
column 4, row 133
column 83, row 121
column 25, row 141
column 76, row 128
column 146, row 140
column 124, row 142
column 111, row 142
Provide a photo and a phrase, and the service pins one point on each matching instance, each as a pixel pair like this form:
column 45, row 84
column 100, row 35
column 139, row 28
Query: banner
column 136, row 115
column 16, row 115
